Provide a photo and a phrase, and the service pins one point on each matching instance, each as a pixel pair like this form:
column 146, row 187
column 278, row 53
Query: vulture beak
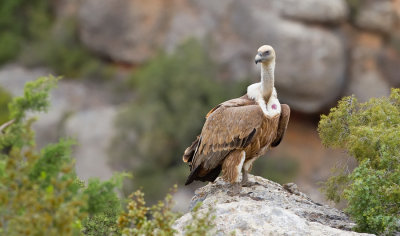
column 258, row 58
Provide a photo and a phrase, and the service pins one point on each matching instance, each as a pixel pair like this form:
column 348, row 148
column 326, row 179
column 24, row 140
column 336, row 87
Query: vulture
column 239, row 131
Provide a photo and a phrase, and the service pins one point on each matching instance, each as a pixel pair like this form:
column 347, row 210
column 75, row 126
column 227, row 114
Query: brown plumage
column 232, row 127
column 238, row 131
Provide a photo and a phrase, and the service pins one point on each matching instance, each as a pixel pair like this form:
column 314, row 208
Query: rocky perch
column 267, row 208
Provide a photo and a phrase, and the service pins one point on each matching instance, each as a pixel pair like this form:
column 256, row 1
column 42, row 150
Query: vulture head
column 265, row 54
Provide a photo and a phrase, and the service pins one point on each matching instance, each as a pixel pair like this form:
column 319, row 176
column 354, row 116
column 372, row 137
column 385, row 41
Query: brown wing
column 283, row 123
column 242, row 101
column 230, row 126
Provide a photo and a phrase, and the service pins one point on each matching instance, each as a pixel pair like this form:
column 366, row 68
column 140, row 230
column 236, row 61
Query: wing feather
column 283, row 123
column 229, row 126
column 226, row 129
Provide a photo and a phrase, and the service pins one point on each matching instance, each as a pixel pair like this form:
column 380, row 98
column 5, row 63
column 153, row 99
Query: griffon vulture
column 238, row 131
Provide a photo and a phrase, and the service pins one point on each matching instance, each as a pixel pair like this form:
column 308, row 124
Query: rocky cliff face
column 325, row 49
column 267, row 208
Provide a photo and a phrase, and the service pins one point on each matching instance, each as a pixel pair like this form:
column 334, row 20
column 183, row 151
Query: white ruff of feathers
column 265, row 89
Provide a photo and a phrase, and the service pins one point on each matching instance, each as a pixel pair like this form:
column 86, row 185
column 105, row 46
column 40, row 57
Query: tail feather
column 190, row 151
column 210, row 176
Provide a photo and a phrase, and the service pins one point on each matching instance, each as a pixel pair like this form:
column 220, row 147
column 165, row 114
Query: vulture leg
column 231, row 169
column 246, row 167
column 245, row 180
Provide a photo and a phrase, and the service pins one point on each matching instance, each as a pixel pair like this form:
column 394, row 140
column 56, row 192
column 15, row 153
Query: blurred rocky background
column 139, row 76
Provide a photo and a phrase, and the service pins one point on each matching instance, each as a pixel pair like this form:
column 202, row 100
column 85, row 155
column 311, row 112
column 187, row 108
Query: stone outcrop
column 333, row 11
column 313, row 39
column 267, row 208
column 376, row 16
column 133, row 31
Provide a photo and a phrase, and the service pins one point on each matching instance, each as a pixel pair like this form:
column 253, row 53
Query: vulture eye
column 266, row 53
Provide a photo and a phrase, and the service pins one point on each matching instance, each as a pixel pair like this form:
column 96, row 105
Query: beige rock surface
column 267, row 208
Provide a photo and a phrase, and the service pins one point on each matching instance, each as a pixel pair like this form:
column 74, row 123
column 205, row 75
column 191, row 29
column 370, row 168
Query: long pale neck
column 267, row 79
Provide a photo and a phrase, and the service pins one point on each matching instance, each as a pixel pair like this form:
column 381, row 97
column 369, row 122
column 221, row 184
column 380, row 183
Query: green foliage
column 143, row 220
column 21, row 20
column 159, row 218
column 5, row 98
column 104, row 206
column 35, row 98
column 370, row 132
column 29, row 32
column 201, row 224
column 40, row 193
column 173, row 93
column 62, row 51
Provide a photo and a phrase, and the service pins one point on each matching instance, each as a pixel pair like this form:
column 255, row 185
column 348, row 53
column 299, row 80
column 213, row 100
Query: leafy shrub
column 104, row 206
column 21, row 20
column 62, row 51
column 143, row 220
column 370, row 132
column 5, row 98
column 29, row 32
column 40, row 193
column 159, row 219
column 173, row 93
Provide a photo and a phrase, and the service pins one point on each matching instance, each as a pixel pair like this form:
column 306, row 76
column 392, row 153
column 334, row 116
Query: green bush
column 159, row 218
column 5, row 98
column 62, row 51
column 29, row 33
column 173, row 94
column 370, row 132
column 40, row 193
column 20, row 21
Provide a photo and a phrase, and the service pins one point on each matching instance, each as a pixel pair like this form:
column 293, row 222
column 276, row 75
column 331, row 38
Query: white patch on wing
column 239, row 167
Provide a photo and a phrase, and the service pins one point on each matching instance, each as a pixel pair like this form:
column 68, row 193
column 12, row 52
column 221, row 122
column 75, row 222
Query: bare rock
column 266, row 209
column 376, row 15
column 310, row 69
column 310, row 62
column 13, row 77
column 94, row 135
column 66, row 8
column 389, row 61
column 125, row 31
column 366, row 80
column 321, row 11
